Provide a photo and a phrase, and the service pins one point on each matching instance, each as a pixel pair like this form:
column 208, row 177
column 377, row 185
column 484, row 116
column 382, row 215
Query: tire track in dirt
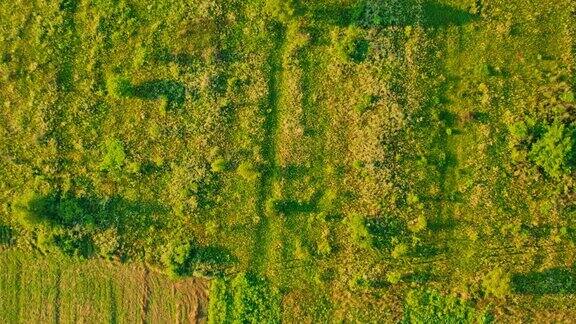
column 145, row 304
column 192, row 301
column 57, row 297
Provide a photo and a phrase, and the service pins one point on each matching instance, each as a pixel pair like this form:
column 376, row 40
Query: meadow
column 269, row 161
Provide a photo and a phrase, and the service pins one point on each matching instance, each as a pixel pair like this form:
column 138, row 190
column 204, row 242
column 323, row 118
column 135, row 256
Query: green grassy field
column 317, row 161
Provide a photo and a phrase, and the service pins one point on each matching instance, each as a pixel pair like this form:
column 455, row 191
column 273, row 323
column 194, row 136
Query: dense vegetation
column 319, row 161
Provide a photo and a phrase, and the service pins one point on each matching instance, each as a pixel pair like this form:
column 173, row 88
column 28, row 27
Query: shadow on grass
column 419, row 277
column 434, row 15
column 426, row 251
column 163, row 55
column 441, row 15
column 174, row 92
column 57, row 210
column 212, row 260
column 437, row 224
column 551, row 281
column 69, row 6
column 385, row 230
column 291, row 206
column 6, row 235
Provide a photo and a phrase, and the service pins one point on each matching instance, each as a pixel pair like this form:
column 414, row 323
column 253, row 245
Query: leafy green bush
column 254, row 300
column 177, row 259
column 244, row 299
column 219, row 165
column 400, row 250
column 282, row 10
column 73, row 243
column 394, row 277
column 497, row 283
column 247, row 171
column 548, row 146
column 114, row 155
column 220, row 302
column 185, row 259
column 519, row 130
column 418, row 225
column 365, row 103
column 353, row 47
column 553, row 152
column 568, row 96
column 360, row 233
column 119, row 87
column 69, row 211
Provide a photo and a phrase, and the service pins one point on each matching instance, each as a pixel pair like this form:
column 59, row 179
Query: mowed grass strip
column 36, row 289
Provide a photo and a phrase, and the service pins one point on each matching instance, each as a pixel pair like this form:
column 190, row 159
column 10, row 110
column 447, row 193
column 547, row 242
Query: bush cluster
column 548, row 146
column 246, row 298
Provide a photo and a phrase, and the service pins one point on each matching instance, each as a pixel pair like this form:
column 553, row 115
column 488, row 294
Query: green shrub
column 352, row 46
column 185, row 259
column 119, row 87
column 177, row 261
column 519, row 130
column 553, row 151
column 497, row 283
column 365, row 103
column 221, row 302
column 255, row 301
column 394, row 277
column 219, row 165
column 358, row 165
column 69, row 211
column 74, row 244
column 282, row 10
column 32, row 210
column 567, row 96
column 360, row 234
column 247, row 171
column 418, row 225
column 114, row 155
column 244, row 299
column 400, row 250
